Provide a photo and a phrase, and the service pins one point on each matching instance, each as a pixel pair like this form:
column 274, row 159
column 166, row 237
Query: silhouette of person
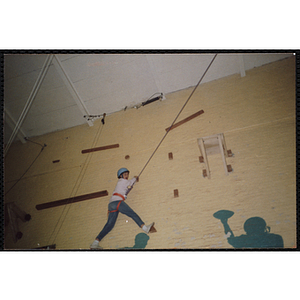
column 257, row 235
column 141, row 241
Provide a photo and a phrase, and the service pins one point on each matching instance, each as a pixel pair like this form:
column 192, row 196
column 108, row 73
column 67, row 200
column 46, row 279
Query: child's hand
column 137, row 178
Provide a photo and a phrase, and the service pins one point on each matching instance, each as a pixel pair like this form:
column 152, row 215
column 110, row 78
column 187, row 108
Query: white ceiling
column 103, row 83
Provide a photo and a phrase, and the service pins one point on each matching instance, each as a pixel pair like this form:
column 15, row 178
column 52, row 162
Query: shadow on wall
column 12, row 214
column 257, row 233
column 141, row 241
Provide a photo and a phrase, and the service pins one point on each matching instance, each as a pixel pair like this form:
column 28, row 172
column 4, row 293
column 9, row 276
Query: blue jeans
column 112, row 217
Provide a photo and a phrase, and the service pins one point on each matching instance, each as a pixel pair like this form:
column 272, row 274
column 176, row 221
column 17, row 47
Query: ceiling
column 45, row 93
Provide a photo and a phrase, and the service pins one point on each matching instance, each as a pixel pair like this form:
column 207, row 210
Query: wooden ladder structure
column 211, row 145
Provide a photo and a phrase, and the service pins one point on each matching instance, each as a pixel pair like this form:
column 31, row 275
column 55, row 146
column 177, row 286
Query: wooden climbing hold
column 201, row 159
column 229, row 153
column 152, row 229
column 170, row 156
column 127, row 157
column 100, row 148
column 204, row 173
column 198, row 113
column 229, row 168
column 71, row 200
column 176, row 194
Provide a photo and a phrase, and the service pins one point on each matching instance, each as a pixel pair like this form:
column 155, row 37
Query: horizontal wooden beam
column 100, row 148
column 198, row 113
column 71, row 200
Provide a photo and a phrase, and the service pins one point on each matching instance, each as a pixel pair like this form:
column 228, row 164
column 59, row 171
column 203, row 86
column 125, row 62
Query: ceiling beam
column 29, row 101
column 69, row 84
column 12, row 124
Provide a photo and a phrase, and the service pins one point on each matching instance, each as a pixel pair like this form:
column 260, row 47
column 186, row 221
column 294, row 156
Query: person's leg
column 128, row 211
column 111, row 221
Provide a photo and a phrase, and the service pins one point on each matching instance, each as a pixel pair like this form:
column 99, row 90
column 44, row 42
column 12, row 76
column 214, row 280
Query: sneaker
column 148, row 227
column 95, row 246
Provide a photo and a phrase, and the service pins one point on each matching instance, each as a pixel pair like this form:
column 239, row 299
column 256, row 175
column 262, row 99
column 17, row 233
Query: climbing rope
column 186, row 102
column 75, row 189
column 81, row 174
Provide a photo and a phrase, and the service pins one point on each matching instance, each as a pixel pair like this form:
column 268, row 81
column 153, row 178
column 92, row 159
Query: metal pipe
column 12, row 123
column 31, row 98
column 69, row 84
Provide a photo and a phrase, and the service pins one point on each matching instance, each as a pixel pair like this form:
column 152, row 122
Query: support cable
column 186, row 102
column 43, row 146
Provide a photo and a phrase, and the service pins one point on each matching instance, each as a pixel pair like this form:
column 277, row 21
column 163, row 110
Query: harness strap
column 116, row 194
column 110, row 211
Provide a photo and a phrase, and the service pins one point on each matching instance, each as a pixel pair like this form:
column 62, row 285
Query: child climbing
column 117, row 204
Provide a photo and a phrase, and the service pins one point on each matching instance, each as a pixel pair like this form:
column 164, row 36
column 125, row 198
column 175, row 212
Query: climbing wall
column 256, row 114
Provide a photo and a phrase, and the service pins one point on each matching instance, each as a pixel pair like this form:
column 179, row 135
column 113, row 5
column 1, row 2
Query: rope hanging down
column 186, row 102
column 74, row 191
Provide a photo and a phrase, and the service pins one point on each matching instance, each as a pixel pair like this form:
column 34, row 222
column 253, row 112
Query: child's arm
column 131, row 183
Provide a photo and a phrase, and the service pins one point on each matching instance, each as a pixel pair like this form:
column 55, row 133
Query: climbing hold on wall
column 176, row 194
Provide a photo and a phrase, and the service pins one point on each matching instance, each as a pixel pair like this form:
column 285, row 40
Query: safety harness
column 123, row 199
